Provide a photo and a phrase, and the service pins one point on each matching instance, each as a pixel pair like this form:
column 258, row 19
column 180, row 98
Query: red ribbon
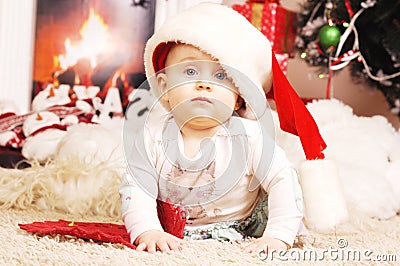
column 348, row 7
column 340, row 59
column 328, row 85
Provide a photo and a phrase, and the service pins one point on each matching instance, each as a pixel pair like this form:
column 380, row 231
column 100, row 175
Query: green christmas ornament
column 329, row 36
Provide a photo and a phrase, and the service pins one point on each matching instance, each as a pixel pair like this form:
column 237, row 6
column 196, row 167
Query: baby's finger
column 141, row 247
column 151, row 247
column 175, row 245
column 248, row 248
column 253, row 247
column 163, row 246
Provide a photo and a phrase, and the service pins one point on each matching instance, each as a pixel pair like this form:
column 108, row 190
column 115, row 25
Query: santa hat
column 228, row 37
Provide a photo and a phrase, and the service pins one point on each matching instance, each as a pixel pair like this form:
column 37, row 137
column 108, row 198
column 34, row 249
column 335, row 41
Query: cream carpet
column 367, row 242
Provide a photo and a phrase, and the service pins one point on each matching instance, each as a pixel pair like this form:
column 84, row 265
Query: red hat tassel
column 293, row 115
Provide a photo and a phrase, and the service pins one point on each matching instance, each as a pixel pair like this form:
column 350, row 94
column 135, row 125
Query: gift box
column 282, row 61
column 275, row 22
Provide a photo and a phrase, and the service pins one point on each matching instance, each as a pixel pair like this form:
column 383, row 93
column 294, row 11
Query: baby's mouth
column 201, row 99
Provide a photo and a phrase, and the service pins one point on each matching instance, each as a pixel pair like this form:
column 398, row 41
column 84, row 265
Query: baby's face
column 197, row 88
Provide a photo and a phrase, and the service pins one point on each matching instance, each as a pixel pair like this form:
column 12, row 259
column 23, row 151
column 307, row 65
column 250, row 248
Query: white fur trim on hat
column 325, row 207
column 228, row 37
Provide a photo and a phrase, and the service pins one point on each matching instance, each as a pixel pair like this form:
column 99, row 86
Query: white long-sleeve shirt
column 224, row 182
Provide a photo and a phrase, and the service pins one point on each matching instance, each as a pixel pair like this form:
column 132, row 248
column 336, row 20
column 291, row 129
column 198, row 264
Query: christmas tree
column 361, row 34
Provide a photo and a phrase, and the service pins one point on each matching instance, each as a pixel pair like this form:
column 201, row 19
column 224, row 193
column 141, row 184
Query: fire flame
column 95, row 40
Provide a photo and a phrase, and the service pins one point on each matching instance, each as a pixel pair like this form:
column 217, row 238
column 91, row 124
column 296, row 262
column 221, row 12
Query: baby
column 213, row 151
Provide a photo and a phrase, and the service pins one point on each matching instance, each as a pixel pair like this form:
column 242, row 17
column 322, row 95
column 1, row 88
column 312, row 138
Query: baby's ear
column 239, row 103
column 162, row 84
column 162, row 81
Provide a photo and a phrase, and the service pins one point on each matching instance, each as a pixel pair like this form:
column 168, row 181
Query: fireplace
column 96, row 43
column 33, row 32
column 20, row 61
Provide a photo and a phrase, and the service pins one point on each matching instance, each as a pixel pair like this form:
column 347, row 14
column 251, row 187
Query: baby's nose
column 203, row 86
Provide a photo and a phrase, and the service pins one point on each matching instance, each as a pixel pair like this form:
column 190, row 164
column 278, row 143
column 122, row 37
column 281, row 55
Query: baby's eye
column 191, row 72
column 220, row 75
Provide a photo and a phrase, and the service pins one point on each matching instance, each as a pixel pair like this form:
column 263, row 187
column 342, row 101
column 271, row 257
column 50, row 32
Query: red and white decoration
column 38, row 134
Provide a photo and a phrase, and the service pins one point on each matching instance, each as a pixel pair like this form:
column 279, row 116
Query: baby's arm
column 139, row 207
column 284, row 217
column 141, row 220
column 280, row 181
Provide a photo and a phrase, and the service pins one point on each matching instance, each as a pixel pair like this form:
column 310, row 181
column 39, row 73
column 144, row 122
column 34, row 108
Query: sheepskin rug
column 374, row 242
column 366, row 151
column 82, row 178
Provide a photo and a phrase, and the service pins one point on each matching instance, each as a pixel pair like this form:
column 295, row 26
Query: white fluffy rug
column 373, row 240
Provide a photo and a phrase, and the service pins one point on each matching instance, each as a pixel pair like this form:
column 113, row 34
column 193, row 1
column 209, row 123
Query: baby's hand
column 266, row 244
column 154, row 240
